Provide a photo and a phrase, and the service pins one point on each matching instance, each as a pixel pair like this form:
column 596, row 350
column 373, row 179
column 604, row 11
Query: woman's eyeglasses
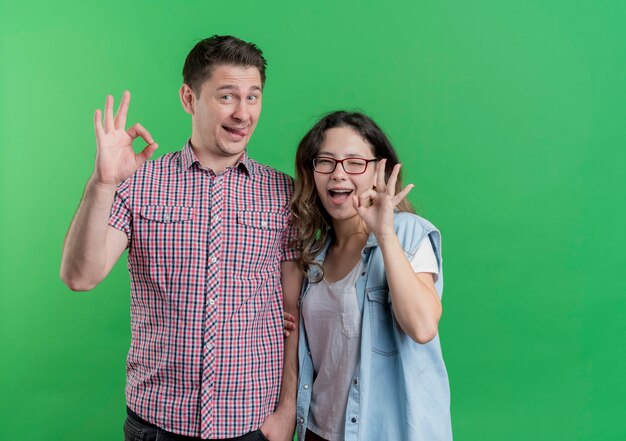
column 352, row 166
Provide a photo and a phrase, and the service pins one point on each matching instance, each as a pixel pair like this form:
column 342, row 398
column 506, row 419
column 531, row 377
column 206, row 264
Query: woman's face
column 336, row 189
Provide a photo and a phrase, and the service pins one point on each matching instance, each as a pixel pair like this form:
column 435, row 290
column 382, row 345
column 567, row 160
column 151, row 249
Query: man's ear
column 187, row 98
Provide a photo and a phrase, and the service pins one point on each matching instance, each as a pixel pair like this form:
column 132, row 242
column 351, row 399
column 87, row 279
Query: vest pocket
column 381, row 322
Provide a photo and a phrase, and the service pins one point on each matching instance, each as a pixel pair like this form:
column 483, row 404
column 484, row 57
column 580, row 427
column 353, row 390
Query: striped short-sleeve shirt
column 206, row 301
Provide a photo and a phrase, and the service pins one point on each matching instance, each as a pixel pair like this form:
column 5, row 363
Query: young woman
column 370, row 360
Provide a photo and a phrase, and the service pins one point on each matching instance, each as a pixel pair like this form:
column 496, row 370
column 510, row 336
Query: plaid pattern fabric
column 206, row 301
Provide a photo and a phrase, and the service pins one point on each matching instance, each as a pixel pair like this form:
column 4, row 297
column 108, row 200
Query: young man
column 207, row 230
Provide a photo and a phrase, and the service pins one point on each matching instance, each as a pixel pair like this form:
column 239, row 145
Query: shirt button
column 213, row 259
column 306, row 386
column 209, row 346
column 166, row 218
column 363, row 273
column 263, row 224
column 211, row 302
column 355, row 381
column 301, row 420
column 353, row 419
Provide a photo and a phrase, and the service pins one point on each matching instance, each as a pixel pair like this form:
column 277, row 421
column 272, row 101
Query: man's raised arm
column 91, row 246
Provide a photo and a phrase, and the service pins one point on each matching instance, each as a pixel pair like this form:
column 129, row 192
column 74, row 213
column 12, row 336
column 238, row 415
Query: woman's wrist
column 386, row 237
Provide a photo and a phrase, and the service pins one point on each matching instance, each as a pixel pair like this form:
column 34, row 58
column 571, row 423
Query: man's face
column 226, row 112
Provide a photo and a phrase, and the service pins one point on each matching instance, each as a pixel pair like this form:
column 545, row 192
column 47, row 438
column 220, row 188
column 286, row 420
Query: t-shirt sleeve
column 120, row 217
column 424, row 260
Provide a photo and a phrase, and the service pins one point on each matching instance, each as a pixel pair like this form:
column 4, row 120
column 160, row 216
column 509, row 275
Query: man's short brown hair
column 220, row 50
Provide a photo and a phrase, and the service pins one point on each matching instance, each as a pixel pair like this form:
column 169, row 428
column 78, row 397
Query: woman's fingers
column 289, row 321
column 391, row 184
column 289, row 324
column 398, row 198
column 367, row 198
column 388, row 187
column 380, row 175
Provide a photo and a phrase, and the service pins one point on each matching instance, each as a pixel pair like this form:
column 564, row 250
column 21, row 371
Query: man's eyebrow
column 228, row 87
column 235, row 87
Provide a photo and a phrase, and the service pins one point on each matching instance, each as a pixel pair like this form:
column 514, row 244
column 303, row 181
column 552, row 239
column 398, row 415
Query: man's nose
column 241, row 111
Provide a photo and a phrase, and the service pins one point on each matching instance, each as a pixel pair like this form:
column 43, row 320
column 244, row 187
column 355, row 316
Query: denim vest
column 400, row 388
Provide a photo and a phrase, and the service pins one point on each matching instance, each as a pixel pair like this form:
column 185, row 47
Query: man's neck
column 217, row 163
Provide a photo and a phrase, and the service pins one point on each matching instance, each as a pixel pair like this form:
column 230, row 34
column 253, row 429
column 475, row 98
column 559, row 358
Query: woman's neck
column 349, row 232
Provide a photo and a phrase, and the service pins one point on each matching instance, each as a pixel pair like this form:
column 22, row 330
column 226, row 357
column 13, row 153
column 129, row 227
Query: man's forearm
column 288, row 388
column 280, row 425
column 84, row 262
column 291, row 283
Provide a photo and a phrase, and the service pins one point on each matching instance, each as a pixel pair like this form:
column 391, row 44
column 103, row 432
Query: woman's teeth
column 339, row 192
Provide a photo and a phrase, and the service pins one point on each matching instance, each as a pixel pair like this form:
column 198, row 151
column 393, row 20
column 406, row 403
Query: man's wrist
column 287, row 410
column 94, row 182
column 97, row 193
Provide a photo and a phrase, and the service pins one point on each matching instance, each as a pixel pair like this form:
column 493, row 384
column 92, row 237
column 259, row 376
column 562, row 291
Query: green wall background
column 509, row 117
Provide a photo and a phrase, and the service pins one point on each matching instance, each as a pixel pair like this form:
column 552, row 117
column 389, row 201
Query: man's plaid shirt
column 206, row 300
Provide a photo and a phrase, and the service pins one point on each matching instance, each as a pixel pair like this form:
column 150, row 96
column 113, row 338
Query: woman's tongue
column 339, row 196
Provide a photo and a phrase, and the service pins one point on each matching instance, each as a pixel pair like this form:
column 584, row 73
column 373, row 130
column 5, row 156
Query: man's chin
column 234, row 148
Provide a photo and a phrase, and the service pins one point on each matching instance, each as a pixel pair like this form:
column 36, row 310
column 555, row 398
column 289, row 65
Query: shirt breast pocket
column 381, row 322
column 260, row 234
column 163, row 233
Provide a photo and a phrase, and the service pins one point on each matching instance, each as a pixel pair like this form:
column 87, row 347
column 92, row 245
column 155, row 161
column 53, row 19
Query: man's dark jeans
column 137, row 429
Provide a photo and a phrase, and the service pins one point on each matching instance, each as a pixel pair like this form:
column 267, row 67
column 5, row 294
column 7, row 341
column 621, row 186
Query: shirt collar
column 188, row 158
column 244, row 164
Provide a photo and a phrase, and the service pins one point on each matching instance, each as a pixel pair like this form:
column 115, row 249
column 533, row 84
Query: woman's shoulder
column 411, row 230
column 407, row 220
